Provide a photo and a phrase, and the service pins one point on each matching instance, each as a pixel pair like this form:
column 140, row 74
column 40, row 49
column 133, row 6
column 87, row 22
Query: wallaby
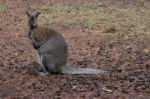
column 52, row 49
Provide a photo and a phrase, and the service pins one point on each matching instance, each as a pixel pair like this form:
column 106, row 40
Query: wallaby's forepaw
column 42, row 71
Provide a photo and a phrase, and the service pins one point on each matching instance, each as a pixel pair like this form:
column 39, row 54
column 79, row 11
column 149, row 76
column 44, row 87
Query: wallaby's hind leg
column 49, row 64
column 45, row 71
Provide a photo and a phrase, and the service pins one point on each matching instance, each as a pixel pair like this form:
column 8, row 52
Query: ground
column 108, row 34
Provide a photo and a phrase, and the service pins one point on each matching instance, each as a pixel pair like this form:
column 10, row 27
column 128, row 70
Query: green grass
column 47, row 8
column 89, row 21
column 132, row 18
column 2, row 8
column 57, row 8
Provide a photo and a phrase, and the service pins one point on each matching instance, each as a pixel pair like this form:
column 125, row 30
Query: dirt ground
column 87, row 48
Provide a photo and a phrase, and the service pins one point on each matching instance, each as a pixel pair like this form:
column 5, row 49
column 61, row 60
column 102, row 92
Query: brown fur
column 43, row 33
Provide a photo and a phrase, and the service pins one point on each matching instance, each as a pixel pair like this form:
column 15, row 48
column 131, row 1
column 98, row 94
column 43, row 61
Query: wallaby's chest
column 39, row 33
column 38, row 37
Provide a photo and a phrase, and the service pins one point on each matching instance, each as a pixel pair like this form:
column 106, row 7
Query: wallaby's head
column 32, row 19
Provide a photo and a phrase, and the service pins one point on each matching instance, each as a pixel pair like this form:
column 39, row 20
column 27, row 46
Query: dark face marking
column 32, row 19
column 32, row 22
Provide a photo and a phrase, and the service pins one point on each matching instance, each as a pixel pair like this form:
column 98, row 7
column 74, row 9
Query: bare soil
column 87, row 49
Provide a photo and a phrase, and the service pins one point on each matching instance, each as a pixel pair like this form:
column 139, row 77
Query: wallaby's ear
column 37, row 14
column 28, row 14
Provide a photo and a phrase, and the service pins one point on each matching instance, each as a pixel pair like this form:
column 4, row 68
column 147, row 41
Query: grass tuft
column 47, row 8
column 88, row 21
column 2, row 8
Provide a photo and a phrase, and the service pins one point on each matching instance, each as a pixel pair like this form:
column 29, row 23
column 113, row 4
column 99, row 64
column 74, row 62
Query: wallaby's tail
column 73, row 70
